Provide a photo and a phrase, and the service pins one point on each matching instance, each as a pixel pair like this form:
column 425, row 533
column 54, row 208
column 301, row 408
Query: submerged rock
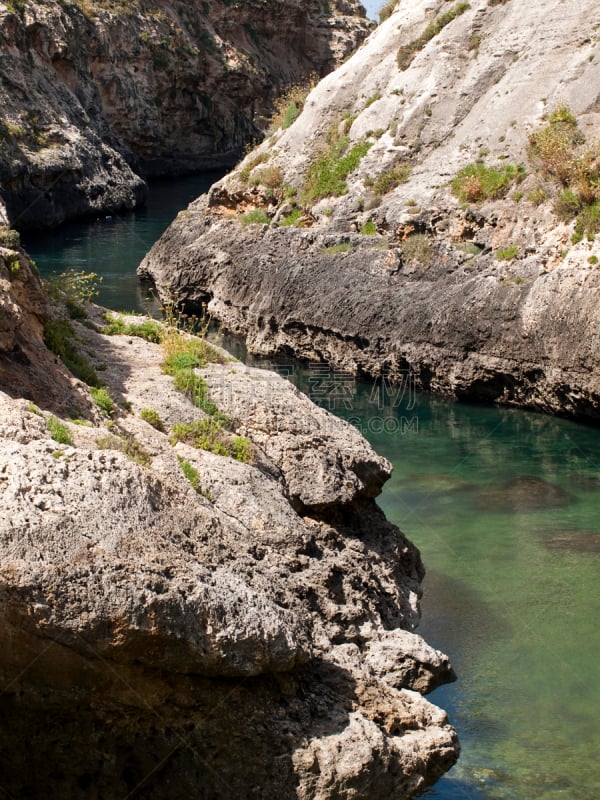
column 437, row 482
column 522, row 494
column 572, row 541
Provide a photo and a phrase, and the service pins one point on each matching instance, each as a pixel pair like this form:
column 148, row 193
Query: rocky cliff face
column 177, row 621
column 95, row 95
column 433, row 209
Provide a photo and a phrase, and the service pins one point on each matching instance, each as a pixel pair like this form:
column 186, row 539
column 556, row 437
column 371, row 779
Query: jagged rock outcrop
column 243, row 629
column 95, row 96
column 376, row 259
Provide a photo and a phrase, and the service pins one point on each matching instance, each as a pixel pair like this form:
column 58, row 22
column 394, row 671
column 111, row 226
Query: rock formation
column 176, row 622
column 95, row 96
column 433, row 209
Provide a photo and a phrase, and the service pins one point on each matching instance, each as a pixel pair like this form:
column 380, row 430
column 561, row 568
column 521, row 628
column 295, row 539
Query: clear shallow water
column 505, row 506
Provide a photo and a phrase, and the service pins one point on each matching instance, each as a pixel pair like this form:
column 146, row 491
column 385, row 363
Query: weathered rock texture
column 485, row 299
column 252, row 638
column 95, row 95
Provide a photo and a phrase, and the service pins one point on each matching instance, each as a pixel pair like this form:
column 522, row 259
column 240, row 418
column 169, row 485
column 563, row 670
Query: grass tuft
column 59, row 432
column 407, row 52
column 149, row 329
column 326, row 177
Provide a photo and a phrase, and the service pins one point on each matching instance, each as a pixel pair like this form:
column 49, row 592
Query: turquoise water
column 113, row 246
column 504, row 506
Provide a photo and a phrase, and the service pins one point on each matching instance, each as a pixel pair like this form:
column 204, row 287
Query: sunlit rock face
column 432, row 211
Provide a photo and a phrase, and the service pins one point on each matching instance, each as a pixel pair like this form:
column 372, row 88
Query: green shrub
column 567, row 205
column 74, row 286
column 469, row 248
column 209, row 434
column 476, row 182
column 204, row 434
column 292, row 113
column 334, row 249
column 537, row 196
column 255, row 217
column 193, row 386
column 241, row 449
column 593, row 260
column 190, row 472
column 507, row 253
column 291, row 218
column 417, row 248
column 251, row 164
column 588, row 223
column 13, row 262
column 126, row 444
column 386, row 10
column 373, row 99
column 16, row 7
column 270, row 176
column 59, row 337
column 553, row 147
column 59, row 432
column 182, row 355
column 326, row 177
column 288, row 107
column 194, row 348
column 103, row 400
column 387, row 181
column 149, row 329
column 9, row 238
column 407, row 52
column 152, row 417
column 369, row 228
column 558, row 150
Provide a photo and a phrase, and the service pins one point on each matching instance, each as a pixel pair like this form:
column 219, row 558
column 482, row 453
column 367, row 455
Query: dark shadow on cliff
column 100, row 729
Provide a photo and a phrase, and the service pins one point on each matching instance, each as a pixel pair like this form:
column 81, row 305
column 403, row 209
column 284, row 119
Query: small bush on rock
column 407, row 52
column 560, row 151
column 386, row 10
column 255, row 217
column 326, row 177
column 417, row 248
column 59, row 338
column 476, row 182
column 152, row 417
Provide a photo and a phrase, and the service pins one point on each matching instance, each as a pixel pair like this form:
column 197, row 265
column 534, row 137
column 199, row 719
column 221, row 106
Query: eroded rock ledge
column 489, row 293
column 252, row 637
column 96, row 96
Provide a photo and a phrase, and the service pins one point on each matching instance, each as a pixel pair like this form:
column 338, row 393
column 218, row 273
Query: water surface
column 504, row 505
column 113, row 246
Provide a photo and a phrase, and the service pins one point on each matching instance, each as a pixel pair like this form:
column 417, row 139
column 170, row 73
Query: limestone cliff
column 95, row 96
column 433, row 209
column 198, row 594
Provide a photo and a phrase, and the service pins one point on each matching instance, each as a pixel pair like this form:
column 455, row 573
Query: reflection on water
column 504, row 507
